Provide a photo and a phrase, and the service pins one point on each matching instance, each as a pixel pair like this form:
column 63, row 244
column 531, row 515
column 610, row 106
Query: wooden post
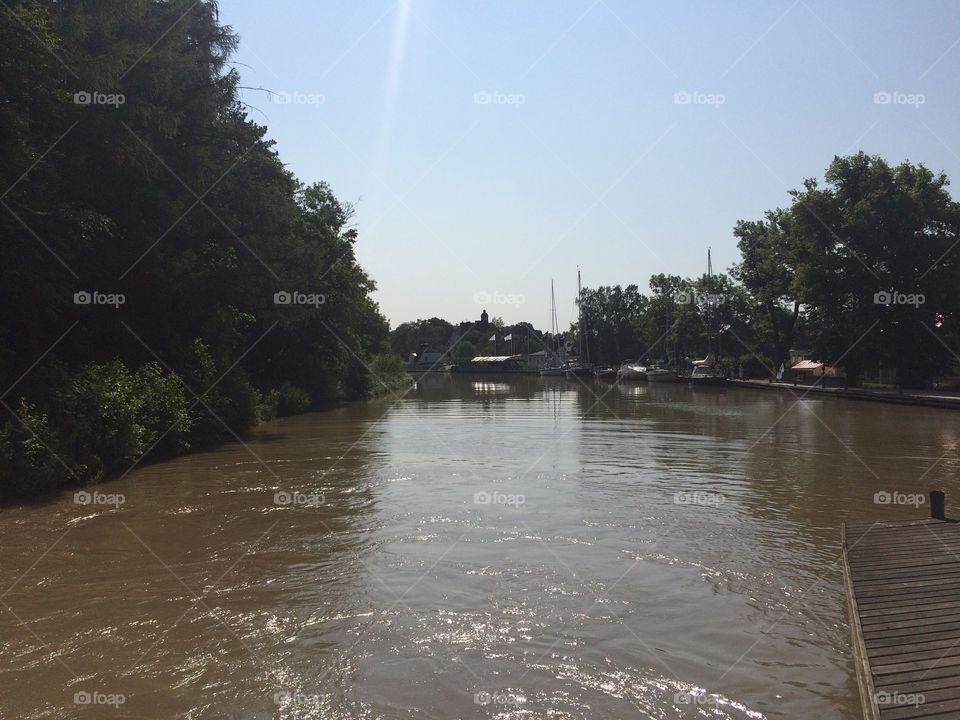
column 938, row 505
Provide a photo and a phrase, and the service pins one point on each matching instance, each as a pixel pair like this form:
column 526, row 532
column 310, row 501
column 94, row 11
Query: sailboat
column 707, row 371
column 581, row 369
column 554, row 367
column 663, row 371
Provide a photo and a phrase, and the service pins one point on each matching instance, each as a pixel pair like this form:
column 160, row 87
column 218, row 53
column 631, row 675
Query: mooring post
column 938, row 505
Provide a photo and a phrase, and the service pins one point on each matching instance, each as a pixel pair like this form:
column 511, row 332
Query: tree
column 879, row 273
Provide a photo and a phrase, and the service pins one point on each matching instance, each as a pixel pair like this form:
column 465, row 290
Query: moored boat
column 632, row 372
column 579, row 371
column 708, row 375
column 661, row 375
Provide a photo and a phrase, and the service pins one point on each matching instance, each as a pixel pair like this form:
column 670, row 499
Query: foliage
column 175, row 199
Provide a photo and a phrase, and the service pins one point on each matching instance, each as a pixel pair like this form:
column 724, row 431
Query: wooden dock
column 903, row 592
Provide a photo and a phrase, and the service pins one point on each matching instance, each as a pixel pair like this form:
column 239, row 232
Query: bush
column 163, row 410
column 109, row 418
column 27, row 462
column 96, row 415
column 291, row 400
column 228, row 404
column 387, row 375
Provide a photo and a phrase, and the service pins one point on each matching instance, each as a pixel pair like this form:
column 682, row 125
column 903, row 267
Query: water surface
column 484, row 546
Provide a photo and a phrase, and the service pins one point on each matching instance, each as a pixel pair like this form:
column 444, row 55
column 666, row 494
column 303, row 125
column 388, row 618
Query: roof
column 495, row 358
column 539, row 352
column 807, row 365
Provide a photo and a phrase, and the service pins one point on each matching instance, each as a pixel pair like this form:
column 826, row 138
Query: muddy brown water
column 508, row 547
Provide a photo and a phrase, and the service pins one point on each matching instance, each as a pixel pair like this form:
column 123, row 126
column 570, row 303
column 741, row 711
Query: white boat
column 707, row 372
column 661, row 375
column 708, row 375
column 632, row 371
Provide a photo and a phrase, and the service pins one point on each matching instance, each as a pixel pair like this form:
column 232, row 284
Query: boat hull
column 661, row 376
column 631, row 374
column 711, row 381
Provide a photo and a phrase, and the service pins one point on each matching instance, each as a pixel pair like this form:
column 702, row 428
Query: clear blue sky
column 579, row 152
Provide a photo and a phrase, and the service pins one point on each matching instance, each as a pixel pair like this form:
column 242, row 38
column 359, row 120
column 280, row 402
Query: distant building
column 804, row 366
column 482, row 324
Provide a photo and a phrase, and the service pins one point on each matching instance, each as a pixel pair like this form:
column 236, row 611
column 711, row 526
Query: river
column 508, row 547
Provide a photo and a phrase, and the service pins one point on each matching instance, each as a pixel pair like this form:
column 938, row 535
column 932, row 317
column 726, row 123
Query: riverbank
column 925, row 398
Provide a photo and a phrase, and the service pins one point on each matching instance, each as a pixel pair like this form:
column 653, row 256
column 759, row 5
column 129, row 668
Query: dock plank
column 902, row 581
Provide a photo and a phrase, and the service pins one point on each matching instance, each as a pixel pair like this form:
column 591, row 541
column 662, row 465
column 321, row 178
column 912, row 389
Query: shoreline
column 919, row 398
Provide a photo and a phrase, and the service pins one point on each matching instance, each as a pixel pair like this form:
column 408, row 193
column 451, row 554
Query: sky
column 491, row 147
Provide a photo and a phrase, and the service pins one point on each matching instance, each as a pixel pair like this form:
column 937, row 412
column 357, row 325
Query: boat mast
column 581, row 333
column 712, row 316
column 553, row 323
